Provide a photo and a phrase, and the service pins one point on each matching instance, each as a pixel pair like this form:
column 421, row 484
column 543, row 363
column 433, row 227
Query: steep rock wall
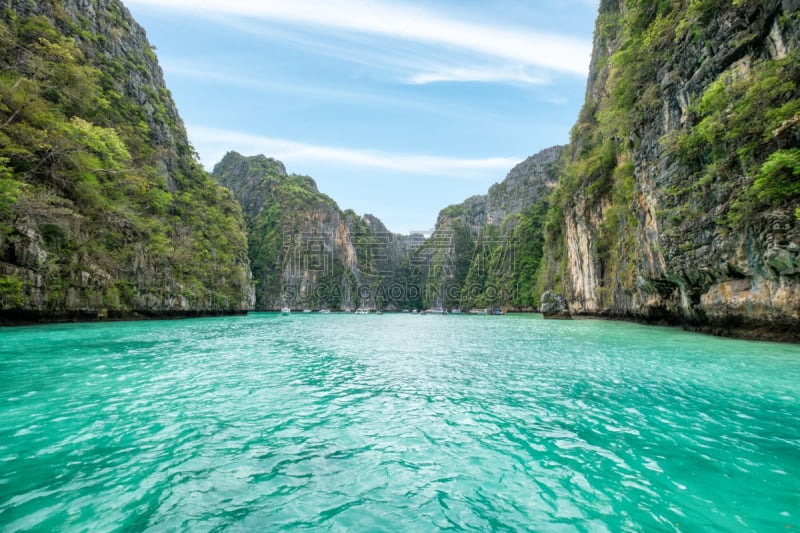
column 104, row 211
column 485, row 251
column 307, row 253
column 678, row 202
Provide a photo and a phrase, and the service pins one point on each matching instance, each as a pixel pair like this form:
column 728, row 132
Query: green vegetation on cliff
column 746, row 122
column 678, row 198
column 680, row 187
column 307, row 253
column 506, row 260
column 103, row 208
column 488, row 249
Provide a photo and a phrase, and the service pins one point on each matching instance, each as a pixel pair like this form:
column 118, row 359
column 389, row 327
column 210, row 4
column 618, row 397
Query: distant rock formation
column 306, row 253
column 486, row 250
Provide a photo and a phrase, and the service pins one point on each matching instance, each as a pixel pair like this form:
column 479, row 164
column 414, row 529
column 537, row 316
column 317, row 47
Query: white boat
column 285, row 310
column 324, row 311
column 306, row 310
column 362, row 311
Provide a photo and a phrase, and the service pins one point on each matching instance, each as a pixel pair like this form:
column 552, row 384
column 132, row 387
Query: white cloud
column 217, row 75
column 407, row 63
column 481, row 74
column 220, row 75
column 550, row 51
column 216, row 142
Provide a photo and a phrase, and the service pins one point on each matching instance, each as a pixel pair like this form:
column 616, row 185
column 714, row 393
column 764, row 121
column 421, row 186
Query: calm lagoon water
column 395, row 423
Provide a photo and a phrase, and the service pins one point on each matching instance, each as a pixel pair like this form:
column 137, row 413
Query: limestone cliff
column 104, row 211
column 678, row 202
column 306, row 253
column 526, row 183
column 485, row 251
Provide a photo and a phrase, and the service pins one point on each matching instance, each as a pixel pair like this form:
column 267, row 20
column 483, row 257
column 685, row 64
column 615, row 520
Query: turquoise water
column 395, row 423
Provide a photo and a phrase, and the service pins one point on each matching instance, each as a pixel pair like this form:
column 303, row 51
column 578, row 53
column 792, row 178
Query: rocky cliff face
column 104, row 211
column 485, row 251
column 305, row 251
column 678, row 202
column 526, row 183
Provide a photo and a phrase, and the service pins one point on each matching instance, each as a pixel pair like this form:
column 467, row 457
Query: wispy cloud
column 412, row 63
column 219, row 76
column 481, row 74
column 544, row 50
column 216, row 142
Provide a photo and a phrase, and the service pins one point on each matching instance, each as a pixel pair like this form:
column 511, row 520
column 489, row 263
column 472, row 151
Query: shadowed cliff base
column 27, row 318
column 736, row 327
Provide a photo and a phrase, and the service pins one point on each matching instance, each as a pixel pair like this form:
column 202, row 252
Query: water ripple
column 393, row 423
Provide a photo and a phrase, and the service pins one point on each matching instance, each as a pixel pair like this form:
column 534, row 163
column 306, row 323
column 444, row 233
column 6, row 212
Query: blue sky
column 395, row 108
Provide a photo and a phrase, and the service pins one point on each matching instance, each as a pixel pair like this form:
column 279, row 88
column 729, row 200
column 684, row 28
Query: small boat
column 362, row 311
column 285, row 310
column 306, row 310
column 325, row 311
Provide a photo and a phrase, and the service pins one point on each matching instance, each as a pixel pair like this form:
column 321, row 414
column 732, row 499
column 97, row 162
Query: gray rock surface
column 554, row 306
column 689, row 268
